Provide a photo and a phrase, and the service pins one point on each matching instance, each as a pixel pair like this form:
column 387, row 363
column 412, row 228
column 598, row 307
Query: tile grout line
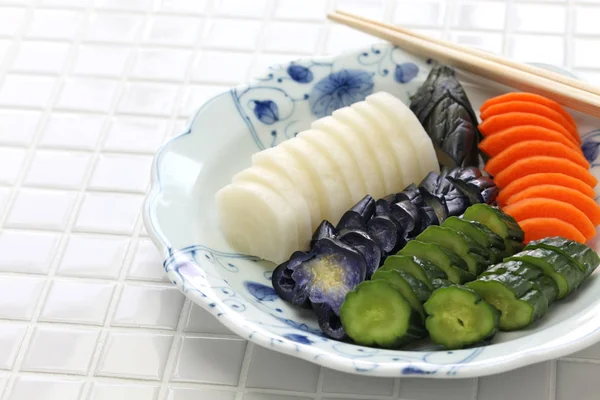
column 552, row 373
column 506, row 30
column 320, row 382
column 568, row 36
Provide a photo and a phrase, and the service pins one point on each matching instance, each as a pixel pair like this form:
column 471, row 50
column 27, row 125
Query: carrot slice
column 532, row 97
column 561, row 193
column 500, row 122
column 548, row 208
column 532, row 108
column 539, row 228
column 532, row 148
column 537, row 164
column 493, row 145
column 543, row 179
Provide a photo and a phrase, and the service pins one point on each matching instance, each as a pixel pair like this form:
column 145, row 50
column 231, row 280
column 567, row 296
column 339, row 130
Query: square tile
column 61, row 169
column 264, row 61
column 197, row 394
column 209, row 67
column 11, row 163
column 29, row 54
column 269, row 396
column 113, row 27
column 149, row 306
column 149, row 98
column 135, row 134
column 46, row 388
column 125, row 5
column 201, row 321
column 169, row 64
column 576, row 379
column 592, row 353
column 300, row 9
column 66, row 350
column 532, row 382
column 77, row 301
column 209, row 360
column 586, row 20
column 17, row 256
column 285, row 36
column 94, row 256
column 16, row 90
column 109, row 213
column 489, row 41
column 4, row 47
column 10, row 20
column 450, row 389
column 72, row 131
column 121, row 172
column 87, row 94
column 422, row 13
column 241, row 8
column 55, row 24
column 371, row 8
column 147, row 263
column 342, row 38
column 5, row 193
column 135, row 355
column 531, row 48
column 45, row 209
column 182, row 6
column 196, row 96
column 113, row 391
column 232, row 33
column 11, row 337
column 484, row 15
column 18, row 127
column 526, row 18
column 177, row 30
column 339, row 382
column 271, row 370
column 66, row 3
column 582, row 57
column 19, row 296
column 101, row 60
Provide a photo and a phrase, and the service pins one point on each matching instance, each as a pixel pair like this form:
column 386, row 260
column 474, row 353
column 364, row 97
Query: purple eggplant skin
column 457, row 205
column 489, row 195
column 469, row 173
column 428, row 217
column 351, row 220
column 330, row 322
column 482, row 182
column 471, row 191
column 362, row 242
column 365, row 207
column 386, row 233
column 430, row 183
column 407, row 216
column 297, row 258
column 437, row 203
column 333, row 269
column 284, row 285
column 324, row 230
column 412, row 195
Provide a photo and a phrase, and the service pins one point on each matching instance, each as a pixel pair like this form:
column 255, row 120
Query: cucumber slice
column 411, row 288
column 458, row 317
column 498, row 221
column 497, row 255
column 454, row 241
column 376, row 314
column 441, row 283
column 512, row 246
column 516, row 298
column 476, row 231
column 423, row 270
column 586, row 258
column 547, row 286
column 565, row 273
column 450, row 263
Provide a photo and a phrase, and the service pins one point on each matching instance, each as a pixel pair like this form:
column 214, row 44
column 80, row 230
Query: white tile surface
column 149, row 306
column 11, row 338
column 72, row 131
column 232, row 34
column 60, row 169
column 55, row 24
column 177, row 30
column 11, row 19
column 201, row 321
column 451, row 389
column 18, row 127
column 135, row 134
column 336, row 382
column 45, row 209
column 16, row 89
column 148, row 98
column 93, row 256
column 46, row 388
column 100, row 59
column 87, row 94
column 113, row 391
column 147, row 263
column 194, row 394
column 16, row 257
column 54, row 56
column 110, row 213
column 19, row 296
column 209, row 66
column 513, row 384
column 11, row 163
column 113, row 27
column 121, row 172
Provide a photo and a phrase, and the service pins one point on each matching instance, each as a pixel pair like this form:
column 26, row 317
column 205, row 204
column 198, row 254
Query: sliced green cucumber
column 459, row 317
column 586, row 258
column 441, row 283
column 497, row 255
column 423, row 270
column 562, row 269
column 547, row 286
column 498, row 221
column 376, row 314
column 476, row 231
column 450, row 263
column 518, row 300
column 513, row 246
column 411, row 288
column 454, row 241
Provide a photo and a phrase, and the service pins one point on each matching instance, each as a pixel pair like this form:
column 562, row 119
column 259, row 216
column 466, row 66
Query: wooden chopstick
column 569, row 96
column 555, row 76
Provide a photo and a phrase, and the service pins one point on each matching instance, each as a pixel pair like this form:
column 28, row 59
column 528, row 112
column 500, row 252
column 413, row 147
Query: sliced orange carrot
column 532, row 108
column 524, row 96
column 500, row 122
column 537, row 164
column 493, row 145
column 532, row 148
column 561, row 193
column 540, row 228
column 543, row 179
column 548, row 208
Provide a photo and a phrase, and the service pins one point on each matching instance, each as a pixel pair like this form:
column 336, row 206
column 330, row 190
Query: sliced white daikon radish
column 403, row 116
column 257, row 221
column 381, row 148
column 345, row 166
column 358, row 147
column 280, row 183
column 401, row 145
column 277, row 158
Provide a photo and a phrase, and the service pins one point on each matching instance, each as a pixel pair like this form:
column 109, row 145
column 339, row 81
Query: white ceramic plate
column 180, row 216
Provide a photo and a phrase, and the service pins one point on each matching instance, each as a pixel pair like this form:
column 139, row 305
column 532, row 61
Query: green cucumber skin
column 452, row 241
column 476, row 231
column 496, row 220
column 497, row 255
column 409, row 286
column 441, row 283
column 514, row 283
column 548, row 287
column 421, row 269
column 586, row 258
column 453, row 266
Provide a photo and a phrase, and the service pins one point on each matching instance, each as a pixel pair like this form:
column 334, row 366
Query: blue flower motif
column 340, row 89
column 591, row 150
column 261, row 292
column 266, row 111
column 406, row 72
column 300, row 74
column 411, row 370
column 298, row 338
